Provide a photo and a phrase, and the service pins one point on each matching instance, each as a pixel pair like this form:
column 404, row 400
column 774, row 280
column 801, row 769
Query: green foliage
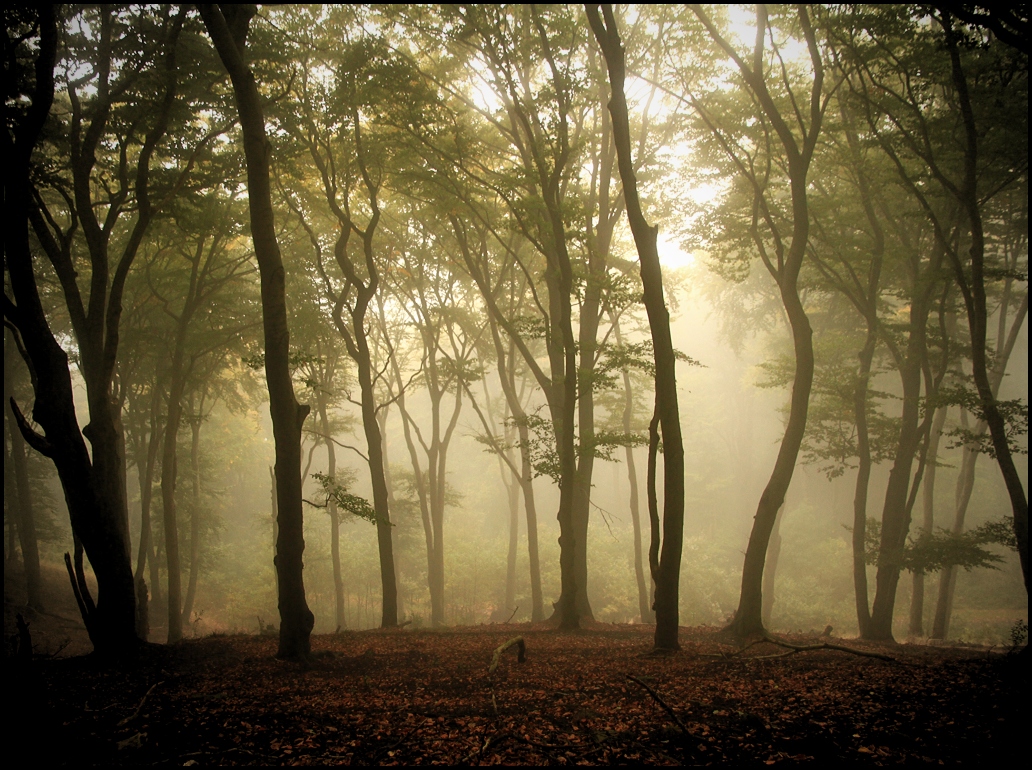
column 336, row 488
column 636, row 356
column 830, row 442
column 1014, row 413
column 935, row 551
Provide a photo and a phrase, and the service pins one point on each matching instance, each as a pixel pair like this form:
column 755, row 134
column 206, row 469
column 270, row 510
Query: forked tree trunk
column 91, row 484
column 668, row 570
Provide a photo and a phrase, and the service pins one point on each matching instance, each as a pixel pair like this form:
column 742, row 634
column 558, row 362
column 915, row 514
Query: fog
column 442, row 202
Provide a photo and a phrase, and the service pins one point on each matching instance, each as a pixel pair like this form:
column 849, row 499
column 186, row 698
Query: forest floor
column 422, row 697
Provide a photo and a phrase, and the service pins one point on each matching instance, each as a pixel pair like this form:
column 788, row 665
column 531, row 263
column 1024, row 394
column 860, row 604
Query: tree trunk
column 340, row 621
column 91, row 487
column 917, row 594
column 896, row 512
column 145, row 464
column 644, row 605
column 169, row 471
column 374, row 443
column 23, row 513
column 770, row 569
column 863, row 481
column 195, row 513
column 667, row 574
column 972, row 284
column 228, row 33
column 513, row 492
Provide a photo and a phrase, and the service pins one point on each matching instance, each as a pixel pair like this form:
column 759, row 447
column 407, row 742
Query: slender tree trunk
column 513, row 492
column 917, row 595
column 896, row 512
column 169, row 471
column 229, row 33
column 644, row 604
column 374, row 443
column 668, row 569
column 195, row 516
column 863, row 481
column 972, row 284
column 340, row 621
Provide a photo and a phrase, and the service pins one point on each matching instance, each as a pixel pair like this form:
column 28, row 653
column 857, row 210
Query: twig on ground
column 143, row 700
column 666, row 707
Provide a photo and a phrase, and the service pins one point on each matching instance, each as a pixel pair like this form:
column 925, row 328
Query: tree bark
column 770, row 569
column 917, row 594
column 227, row 26
column 973, row 289
column 23, row 513
column 92, row 486
column 667, row 575
column 195, row 511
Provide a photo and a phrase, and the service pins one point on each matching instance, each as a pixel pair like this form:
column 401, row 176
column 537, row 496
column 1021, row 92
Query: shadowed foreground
column 409, row 697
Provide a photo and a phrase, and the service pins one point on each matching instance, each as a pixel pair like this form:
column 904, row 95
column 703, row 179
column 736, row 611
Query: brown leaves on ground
column 411, row 697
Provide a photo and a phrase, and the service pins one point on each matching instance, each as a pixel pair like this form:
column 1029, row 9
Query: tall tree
column 789, row 129
column 665, row 563
column 953, row 155
column 228, row 27
column 125, row 99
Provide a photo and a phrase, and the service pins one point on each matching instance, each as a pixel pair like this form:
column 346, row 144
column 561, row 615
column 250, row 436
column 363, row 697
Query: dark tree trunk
column 863, row 482
column 784, row 266
column 23, row 513
column 668, row 570
column 146, row 450
column 972, row 286
column 374, row 442
column 195, row 513
column 228, row 33
column 92, row 486
column 917, row 594
column 331, row 508
column 896, row 512
column 512, row 490
column 770, row 569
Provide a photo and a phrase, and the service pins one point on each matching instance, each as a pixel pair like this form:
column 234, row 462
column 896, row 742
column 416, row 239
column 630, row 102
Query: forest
column 679, row 351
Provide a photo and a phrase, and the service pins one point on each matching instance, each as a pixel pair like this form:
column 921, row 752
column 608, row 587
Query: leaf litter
column 595, row 697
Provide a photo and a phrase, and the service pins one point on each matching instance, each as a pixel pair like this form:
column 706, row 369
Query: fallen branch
column 666, row 707
column 794, row 648
column 143, row 700
column 521, row 652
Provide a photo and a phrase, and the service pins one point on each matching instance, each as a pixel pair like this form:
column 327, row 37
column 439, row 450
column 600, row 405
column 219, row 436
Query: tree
column 118, row 104
column 666, row 566
column 774, row 149
column 194, row 271
column 439, row 307
column 19, row 487
column 924, row 111
column 228, row 27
